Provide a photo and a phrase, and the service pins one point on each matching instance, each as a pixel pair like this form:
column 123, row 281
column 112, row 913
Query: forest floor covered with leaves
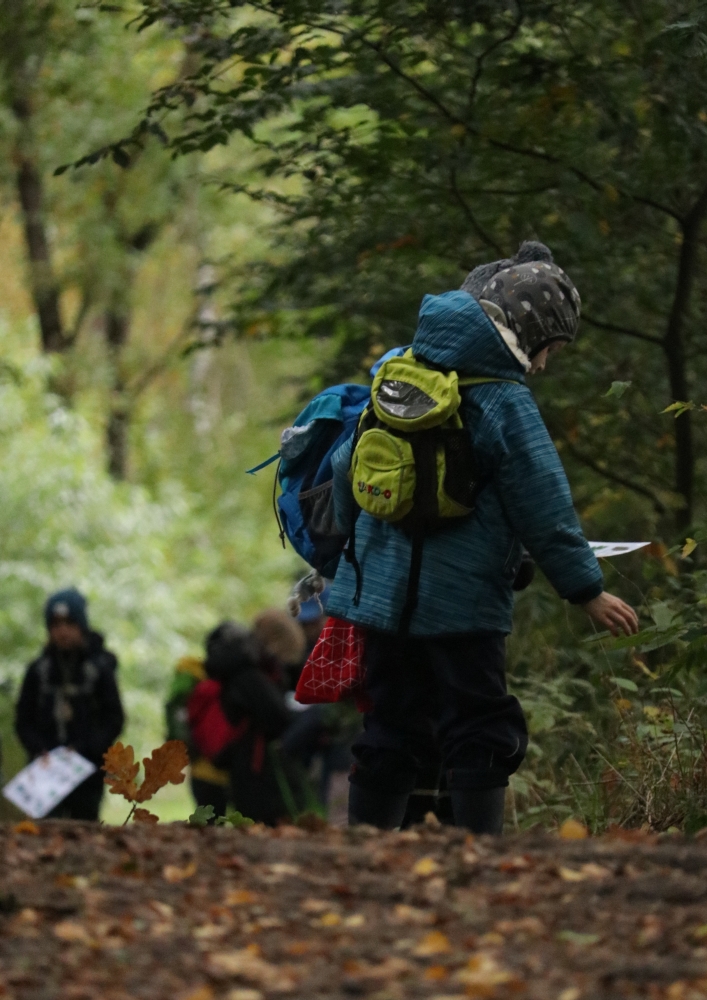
column 169, row 911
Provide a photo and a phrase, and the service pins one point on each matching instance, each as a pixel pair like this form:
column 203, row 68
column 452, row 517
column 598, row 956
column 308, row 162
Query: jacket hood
column 455, row 333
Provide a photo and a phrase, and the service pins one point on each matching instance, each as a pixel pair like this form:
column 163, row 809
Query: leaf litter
column 182, row 912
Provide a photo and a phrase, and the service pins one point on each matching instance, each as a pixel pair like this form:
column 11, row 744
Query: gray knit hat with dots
column 539, row 302
column 527, row 252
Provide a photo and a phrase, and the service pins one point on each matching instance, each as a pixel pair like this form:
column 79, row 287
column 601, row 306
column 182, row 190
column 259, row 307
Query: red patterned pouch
column 335, row 669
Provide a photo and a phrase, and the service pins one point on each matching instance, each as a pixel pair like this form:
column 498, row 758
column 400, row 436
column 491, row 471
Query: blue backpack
column 305, row 508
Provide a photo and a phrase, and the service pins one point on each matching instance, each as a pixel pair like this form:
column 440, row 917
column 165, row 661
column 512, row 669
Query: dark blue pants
column 438, row 697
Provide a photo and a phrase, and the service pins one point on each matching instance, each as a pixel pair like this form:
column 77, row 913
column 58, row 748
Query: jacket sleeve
column 109, row 716
column 251, row 694
column 26, row 714
column 536, row 497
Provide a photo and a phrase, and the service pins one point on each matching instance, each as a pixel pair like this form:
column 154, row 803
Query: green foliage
column 617, row 389
column 160, row 567
column 202, row 816
column 235, row 819
column 403, row 143
column 617, row 724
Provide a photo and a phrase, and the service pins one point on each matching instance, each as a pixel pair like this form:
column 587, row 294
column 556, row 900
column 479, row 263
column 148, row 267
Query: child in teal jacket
column 443, row 683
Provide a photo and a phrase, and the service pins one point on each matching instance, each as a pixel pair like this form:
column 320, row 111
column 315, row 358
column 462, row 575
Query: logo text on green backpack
column 376, row 491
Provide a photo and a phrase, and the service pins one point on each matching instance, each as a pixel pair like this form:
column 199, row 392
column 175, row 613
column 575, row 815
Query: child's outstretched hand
column 612, row 613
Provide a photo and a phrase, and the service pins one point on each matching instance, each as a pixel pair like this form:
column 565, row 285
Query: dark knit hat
column 230, row 648
column 539, row 302
column 70, row 605
column 528, row 251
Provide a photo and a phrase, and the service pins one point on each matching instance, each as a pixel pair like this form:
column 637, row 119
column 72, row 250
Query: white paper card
column 604, row 550
column 47, row 781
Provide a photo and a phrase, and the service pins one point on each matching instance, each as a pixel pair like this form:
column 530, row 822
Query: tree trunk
column 43, row 283
column 674, row 346
column 117, row 327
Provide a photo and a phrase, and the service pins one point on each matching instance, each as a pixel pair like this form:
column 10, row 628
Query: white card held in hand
column 604, row 550
column 46, row 782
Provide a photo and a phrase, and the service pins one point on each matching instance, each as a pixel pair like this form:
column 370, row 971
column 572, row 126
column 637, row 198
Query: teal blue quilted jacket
column 469, row 567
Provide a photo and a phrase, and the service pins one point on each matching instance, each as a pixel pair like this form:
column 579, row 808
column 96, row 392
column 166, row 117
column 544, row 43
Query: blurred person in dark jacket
column 236, row 716
column 70, row 697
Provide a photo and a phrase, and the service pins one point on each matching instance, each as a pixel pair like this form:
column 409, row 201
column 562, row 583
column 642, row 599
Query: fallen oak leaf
column 202, row 993
column 526, row 925
column 434, row 943
column 72, row 931
column 571, row 875
column 233, row 861
column 425, row 867
column 246, row 964
column 571, row 829
column 310, row 905
column 436, row 972
column 405, row 914
column 240, row 897
column 515, row 864
column 165, row 766
column 172, row 873
column 26, row 826
column 302, row 947
column 121, row 770
column 483, row 971
column 389, row 968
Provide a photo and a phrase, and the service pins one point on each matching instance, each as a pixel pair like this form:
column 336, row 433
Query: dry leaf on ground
column 173, row 873
column 571, row 829
column 426, row 866
column 434, row 943
column 26, row 826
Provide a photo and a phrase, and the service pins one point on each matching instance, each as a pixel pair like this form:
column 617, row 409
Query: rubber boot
column 479, row 809
column 385, row 810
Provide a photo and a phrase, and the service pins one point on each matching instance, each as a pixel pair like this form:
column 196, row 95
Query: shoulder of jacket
column 38, row 664
column 103, row 660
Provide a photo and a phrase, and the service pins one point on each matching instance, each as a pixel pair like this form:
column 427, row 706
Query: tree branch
column 480, row 232
column 84, row 307
column 614, row 477
column 134, row 389
column 508, row 37
column 624, row 330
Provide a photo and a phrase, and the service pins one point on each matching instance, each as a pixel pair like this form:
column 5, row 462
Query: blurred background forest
column 212, row 208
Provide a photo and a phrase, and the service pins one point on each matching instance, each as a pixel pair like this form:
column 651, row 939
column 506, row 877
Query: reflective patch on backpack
column 400, row 399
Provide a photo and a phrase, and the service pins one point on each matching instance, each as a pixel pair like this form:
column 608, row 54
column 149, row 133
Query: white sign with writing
column 603, row 550
column 46, row 782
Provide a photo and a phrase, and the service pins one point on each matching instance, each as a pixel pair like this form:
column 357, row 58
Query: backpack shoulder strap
column 480, row 380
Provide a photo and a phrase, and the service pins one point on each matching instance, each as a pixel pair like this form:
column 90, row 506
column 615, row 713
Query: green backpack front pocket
column 383, row 474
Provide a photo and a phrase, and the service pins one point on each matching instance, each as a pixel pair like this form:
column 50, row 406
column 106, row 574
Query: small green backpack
column 413, row 464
